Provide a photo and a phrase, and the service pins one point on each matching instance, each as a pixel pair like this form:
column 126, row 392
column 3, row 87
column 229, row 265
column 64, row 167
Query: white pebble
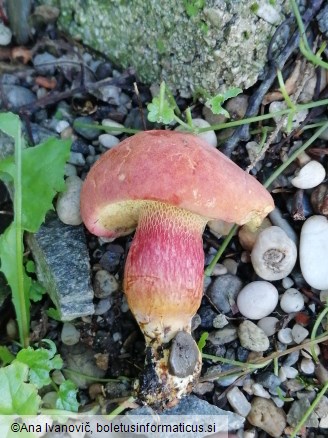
column 307, row 351
column 298, row 117
column 274, row 254
column 257, row 300
column 307, row 366
column 324, row 296
column 209, row 136
column 291, row 301
column 290, row 372
column 70, row 170
column 220, row 321
column 252, row 337
column 313, row 252
column 299, row 333
column 69, row 335
column 5, row 35
column 113, row 124
column 268, row 325
column 268, row 13
column 108, row 140
column 76, row 158
column 260, row 391
column 309, row 176
column 219, row 270
column 61, row 125
column 287, row 283
column 68, row 202
column 231, row 265
column 285, row 336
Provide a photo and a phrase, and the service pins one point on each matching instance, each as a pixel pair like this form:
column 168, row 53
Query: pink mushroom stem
column 163, row 279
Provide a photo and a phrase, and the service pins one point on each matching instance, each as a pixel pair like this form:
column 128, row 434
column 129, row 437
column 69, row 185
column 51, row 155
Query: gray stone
column 197, row 409
column 104, row 284
column 69, row 335
column 87, row 132
column 296, row 412
column 208, row 47
column 252, row 337
column 17, row 96
column 223, row 336
column 184, row 355
column 223, row 291
column 238, row 401
column 45, row 63
column 268, row 380
column 267, row 416
column 62, row 265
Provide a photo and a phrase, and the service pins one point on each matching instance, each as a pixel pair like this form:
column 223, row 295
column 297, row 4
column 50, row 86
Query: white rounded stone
column 299, row 333
column 307, row 351
column 309, row 176
column 108, row 140
column 61, row 126
column 268, row 324
column 257, row 300
column 287, row 282
column 69, row 335
column 68, row 202
column 111, row 123
column 291, row 301
column 5, row 35
column 290, row 372
column 314, row 252
column 307, row 366
column 274, row 254
column 285, row 336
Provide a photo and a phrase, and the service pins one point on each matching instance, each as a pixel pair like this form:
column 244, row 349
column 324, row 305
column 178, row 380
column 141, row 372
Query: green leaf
column 53, row 313
column 160, row 111
column 6, row 356
column 40, row 362
column 36, row 291
column 30, row 266
column 43, row 169
column 215, row 103
column 17, row 397
column 193, row 7
column 20, row 285
column 202, row 341
column 67, row 397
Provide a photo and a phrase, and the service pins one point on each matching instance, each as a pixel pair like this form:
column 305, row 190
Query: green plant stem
column 24, row 321
column 314, row 332
column 309, row 410
column 120, row 408
column 252, row 366
column 106, row 128
column 284, row 91
column 254, row 119
column 91, row 378
column 225, row 243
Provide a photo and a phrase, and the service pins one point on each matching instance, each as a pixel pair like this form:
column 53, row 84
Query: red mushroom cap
column 170, row 167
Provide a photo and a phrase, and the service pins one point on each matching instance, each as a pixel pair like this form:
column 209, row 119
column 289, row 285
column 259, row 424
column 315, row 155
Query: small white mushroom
column 274, row 254
column 309, row 176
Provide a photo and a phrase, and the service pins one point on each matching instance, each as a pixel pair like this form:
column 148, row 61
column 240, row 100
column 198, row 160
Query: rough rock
column 193, row 46
column 62, row 265
column 296, row 412
column 267, row 416
column 252, row 337
column 223, row 291
column 238, row 401
column 184, row 355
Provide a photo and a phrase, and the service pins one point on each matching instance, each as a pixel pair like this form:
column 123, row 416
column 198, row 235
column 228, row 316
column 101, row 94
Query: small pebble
column 252, row 337
column 285, row 336
column 291, row 358
column 274, row 254
column 209, row 136
column 268, row 380
column 108, row 140
column 259, row 391
column 219, row 270
column 184, row 355
column 287, row 282
column 307, row 351
column 70, row 170
column 17, row 96
column 324, row 296
column 297, row 118
column 223, row 292
column 76, row 158
column 104, row 284
column 113, row 124
column 231, row 265
column 291, row 301
column 68, row 202
column 307, row 366
column 82, row 127
column 299, row 333
column 268, row 13
column 309, row 176
column 61, row 125
column 257, row 300
column 223, row 336
column 11, row 329
column 298, row 410
column 5, row 35
column 45, row 63
column 267, row 416
column 238, row 401
column 268, row 325
column 290, row 372
column 103, row 306
column 69, row 335
column 313, row 252
column 220, row 321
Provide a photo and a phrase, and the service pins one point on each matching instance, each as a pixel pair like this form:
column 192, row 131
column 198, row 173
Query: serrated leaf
column 36, row 291
column 30, row 266
column 215, row 103
column 53, row 313
column 231, row 92
column 67, row 397
column 40, row 362
column 43, row 169
column 9, row 260
column 17, row 396
column 160, row 112
column 6, row 356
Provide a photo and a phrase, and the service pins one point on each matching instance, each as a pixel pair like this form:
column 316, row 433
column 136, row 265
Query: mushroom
column 167, row 185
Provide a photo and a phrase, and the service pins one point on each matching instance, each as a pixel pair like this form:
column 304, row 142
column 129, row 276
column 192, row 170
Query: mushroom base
column 163, row 283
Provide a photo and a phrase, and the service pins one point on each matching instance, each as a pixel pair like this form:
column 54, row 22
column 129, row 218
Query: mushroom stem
column 163, row 283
